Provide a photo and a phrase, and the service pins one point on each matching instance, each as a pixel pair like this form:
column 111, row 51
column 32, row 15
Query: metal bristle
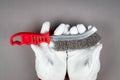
column 77, row 44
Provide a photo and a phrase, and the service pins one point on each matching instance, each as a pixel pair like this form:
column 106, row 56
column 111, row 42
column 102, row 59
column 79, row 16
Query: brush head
column 77, row 44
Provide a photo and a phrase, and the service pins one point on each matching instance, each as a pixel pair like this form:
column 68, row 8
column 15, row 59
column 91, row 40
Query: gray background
column 17, row 63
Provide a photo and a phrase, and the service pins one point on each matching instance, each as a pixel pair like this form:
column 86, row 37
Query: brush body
column 62, row 42
column 77, row 44
column 72, row 42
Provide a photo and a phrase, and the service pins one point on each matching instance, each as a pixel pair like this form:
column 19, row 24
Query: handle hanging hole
column 18, row 38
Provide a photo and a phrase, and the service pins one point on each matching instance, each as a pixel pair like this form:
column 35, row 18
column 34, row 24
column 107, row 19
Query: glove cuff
column 53, row 79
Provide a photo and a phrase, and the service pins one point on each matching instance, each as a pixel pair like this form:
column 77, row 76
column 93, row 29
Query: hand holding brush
column 75, row 51
column 84, row 63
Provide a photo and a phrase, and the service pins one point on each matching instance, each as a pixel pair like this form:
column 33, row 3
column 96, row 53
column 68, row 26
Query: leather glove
column 83, row 64
column 50, row 64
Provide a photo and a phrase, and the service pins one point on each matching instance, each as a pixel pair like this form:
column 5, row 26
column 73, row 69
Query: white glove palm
column 50, row 64
column 83, row 64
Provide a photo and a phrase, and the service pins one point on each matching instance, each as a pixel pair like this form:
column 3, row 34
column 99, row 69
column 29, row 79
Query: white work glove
column 83, row 64
column 50, row 64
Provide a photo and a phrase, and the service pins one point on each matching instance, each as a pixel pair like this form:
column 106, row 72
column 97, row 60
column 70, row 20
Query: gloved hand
column 83, row 64
column 50, row 64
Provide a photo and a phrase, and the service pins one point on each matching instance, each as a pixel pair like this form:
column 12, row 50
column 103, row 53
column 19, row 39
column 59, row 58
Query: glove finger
column 67, row 26
column 74, row 30
column 81, row 28
column 45, row 27
column 60, row 29
column 89, row 27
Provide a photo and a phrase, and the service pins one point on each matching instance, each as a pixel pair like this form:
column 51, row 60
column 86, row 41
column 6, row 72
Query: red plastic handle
column 30, row 38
